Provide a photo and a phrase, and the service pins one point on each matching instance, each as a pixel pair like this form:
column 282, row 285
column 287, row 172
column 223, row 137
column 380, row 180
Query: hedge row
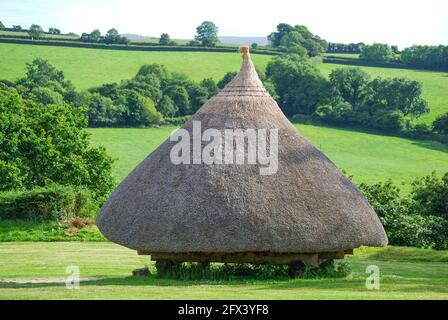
column 51, row 203
column 131, row 47
column 365, row 63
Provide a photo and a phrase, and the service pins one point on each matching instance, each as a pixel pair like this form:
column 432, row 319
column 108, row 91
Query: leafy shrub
column 440, row 125
column 51, row 203
column 377, row 52
column 418, row 220
column 176, row 121
column 45, row 144
column 227, row 271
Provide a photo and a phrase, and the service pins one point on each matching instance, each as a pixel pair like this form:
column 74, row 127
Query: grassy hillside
column 369, row 157
column 38, row 271
column 92, row 67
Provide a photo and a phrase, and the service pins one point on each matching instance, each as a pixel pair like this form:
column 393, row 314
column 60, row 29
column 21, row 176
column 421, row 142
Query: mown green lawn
column 93, row 67
column 105, row 269
column 368, row 157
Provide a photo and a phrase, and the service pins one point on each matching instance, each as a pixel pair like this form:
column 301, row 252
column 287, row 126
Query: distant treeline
column 433, row 57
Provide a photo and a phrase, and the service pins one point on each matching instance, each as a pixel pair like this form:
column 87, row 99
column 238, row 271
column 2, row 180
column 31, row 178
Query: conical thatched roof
column 308, row 206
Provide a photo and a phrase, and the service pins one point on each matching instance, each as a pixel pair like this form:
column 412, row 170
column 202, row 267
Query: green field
column 36, row 270
column 368, row 157
column 93, row 67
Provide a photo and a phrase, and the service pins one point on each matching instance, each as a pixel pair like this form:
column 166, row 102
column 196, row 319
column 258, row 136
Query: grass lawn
column 93, row 67
column 368, row 157
column 36, row 270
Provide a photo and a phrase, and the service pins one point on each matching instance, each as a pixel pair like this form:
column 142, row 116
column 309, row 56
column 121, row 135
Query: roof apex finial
column 244, row 50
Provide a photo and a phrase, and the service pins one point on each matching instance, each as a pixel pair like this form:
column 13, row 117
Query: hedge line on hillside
column 365, row 63
column 152, row 47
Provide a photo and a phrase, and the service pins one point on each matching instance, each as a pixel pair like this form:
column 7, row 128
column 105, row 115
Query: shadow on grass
column 352, row 285
column 133, row 281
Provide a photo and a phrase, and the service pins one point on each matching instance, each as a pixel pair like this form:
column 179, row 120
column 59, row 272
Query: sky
column 397, row 22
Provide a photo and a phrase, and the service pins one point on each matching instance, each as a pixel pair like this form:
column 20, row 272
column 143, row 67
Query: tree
column 45, row 144
column 288, row 37
column 17, row 28
column 180, row 97
column 54, row 31
column 254, row 45
column 299, row 84
column 395, row 94
column 440, row 125
column 164, row 39
column 112, row 36
column 207, row 34
column 198, row 95
column 140, row 110
column 40, row 73
column 94, row 36
column 167, row 107
column 350, row 83
column 377, row 52
column 35, row 31
column 102, row 112
column 210, row 85
column 2, row 26
column 226, row 79
column 431, row 195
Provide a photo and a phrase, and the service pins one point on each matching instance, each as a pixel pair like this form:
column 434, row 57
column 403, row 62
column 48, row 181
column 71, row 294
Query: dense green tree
column 54, row 31
column 254, row 46
column 377, row 52
column 300, row 86
column 226, row 79
column 433, row 57
column 40, row 73
column 350, row 83
column 440, row 125
column 2, row 26
column 164, row 39
column 198, row 95
column 17, row 28
column 210, row 85
column 35, row 31
column 140, row 110
column 148, row 86
column 431, row 195
column 160, row 71
column 167, row 107
column 180, row 97
column 207, row 34
column 112, row 36
column 45, row 95
column 395, row 94
column 290, row 37
column 388, row 120
column 103, row 112
column 94, row 36
column 45, row 144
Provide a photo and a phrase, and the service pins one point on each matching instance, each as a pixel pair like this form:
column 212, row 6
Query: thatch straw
column 309, row 206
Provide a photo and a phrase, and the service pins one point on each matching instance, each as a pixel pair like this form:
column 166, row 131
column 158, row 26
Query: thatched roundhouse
column 306, row 211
